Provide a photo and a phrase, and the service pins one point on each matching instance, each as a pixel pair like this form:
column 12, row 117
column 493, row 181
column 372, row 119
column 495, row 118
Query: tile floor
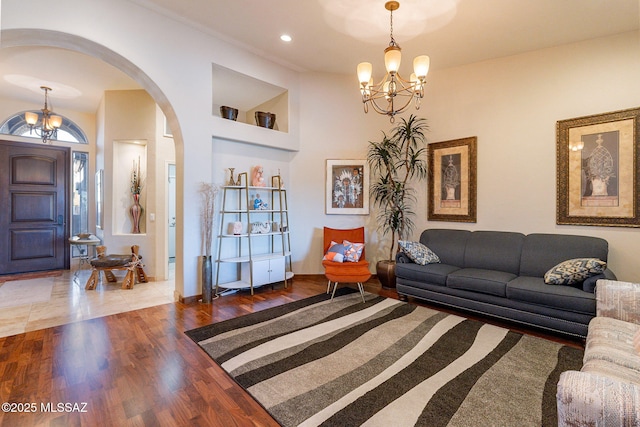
column 32, row 304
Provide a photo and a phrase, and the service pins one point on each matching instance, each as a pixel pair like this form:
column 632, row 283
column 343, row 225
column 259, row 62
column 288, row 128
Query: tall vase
column 136, row 213
column 207, row 282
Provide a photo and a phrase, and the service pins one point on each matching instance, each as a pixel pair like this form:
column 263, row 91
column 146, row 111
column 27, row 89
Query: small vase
column 265, row 120
column 207, row 280
column 136, row 213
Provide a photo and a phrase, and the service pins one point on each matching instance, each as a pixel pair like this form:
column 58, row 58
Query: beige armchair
column 606, row 391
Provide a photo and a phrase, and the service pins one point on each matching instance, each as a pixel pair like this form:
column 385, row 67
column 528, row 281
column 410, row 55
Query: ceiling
column 334, row 36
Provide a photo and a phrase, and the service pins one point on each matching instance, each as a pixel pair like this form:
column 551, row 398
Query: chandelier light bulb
column 392, row 58
column 421, row 66
column 31, row 118
column 365, row 69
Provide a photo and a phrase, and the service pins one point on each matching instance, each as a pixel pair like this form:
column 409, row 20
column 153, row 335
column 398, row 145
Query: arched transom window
column 68, row 131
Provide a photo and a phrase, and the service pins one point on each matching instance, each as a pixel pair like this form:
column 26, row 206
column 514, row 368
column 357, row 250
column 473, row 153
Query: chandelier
column 393, row 94
column 47, row 126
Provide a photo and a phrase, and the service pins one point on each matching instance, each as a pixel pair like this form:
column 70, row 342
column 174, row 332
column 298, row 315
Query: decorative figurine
column 260, row 227
column 231, row 180
column 258, row 204
column 258, row 179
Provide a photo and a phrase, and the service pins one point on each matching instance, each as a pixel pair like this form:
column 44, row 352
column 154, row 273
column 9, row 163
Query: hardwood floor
column 138, row 368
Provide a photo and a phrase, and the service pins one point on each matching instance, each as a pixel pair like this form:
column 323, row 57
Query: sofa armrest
column 403, row 258
column 586, row 399
column 608, row 274
column 619, row 300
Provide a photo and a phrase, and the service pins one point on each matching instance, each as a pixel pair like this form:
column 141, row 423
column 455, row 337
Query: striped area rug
column 387, row 363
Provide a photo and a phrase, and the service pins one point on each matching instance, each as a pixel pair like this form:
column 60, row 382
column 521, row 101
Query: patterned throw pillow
column 574, row 271
column 335, row 252
column 353, row 251
column 419, row 253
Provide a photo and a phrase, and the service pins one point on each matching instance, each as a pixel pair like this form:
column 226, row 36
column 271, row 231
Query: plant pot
column 265, row 120
column 386, row 271
column 229, row 113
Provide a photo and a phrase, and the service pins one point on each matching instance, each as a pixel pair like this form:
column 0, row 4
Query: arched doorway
column 55, row 39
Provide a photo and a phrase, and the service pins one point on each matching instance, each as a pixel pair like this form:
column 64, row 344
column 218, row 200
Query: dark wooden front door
column 34, row 184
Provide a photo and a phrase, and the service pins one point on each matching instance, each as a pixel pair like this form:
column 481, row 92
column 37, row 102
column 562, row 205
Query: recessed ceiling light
column 285, row 38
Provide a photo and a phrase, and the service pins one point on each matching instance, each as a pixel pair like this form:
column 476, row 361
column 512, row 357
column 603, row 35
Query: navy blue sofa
column 501, row 274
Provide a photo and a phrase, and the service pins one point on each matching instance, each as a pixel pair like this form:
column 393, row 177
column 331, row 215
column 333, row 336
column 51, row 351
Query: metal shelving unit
column 261, row 252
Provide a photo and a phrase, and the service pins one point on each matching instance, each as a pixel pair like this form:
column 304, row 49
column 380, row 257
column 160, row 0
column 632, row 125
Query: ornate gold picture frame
column 453, row 180
column 597, row 169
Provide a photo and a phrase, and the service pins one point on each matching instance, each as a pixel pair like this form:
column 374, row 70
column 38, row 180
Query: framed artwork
column 452, row 180
column 100, row 199
column 347, row 187
column 597, row 169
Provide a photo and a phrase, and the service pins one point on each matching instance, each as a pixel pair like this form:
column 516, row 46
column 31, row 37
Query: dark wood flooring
column 139, row 368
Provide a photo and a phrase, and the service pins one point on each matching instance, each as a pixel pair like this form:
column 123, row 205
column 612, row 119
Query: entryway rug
column 387, row 363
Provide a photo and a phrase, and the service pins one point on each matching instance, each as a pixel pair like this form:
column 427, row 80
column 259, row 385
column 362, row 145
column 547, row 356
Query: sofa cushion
column 419, row 253
column 478, row 280
column 540, row 252
column 448, row 244
column 494, row 250
column 574, row 271
column 435, row 274
column 533, row 290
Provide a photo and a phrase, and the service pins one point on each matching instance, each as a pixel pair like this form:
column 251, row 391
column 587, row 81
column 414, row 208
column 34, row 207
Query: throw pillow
column 574, row 271
column 335, row 252
column 353, row 251
column 419, row 253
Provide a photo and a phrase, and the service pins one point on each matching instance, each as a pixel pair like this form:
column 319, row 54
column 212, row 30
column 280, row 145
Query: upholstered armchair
column 341, row 269
column 606, row 391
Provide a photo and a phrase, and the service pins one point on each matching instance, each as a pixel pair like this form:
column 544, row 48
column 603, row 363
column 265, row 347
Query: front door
column 34, row 183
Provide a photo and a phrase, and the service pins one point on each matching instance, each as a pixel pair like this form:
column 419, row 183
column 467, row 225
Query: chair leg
column 335, row 286
column 361, row 290
column 93, row 280
column 129, row 280
column 329, row 286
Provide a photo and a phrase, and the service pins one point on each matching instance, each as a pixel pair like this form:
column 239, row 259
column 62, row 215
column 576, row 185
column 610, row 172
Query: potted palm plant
column 397, row 162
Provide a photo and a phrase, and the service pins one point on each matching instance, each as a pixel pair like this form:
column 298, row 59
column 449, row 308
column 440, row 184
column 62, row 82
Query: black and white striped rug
column 387, row 363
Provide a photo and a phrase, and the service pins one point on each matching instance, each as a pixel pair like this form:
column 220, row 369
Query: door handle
column 60, row 220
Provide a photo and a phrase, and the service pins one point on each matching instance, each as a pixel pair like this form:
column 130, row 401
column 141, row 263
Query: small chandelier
column 48, row 126
column 393, row 94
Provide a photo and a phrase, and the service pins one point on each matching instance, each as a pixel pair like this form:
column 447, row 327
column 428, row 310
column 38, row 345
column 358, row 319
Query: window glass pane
column 79, row 206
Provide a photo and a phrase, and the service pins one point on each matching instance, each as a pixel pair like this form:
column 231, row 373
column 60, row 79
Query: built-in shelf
column 249, row 94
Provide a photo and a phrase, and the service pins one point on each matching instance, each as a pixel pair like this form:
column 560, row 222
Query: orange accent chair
column 345, row 272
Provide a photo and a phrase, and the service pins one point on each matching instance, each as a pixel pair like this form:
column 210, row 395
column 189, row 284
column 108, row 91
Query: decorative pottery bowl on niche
column 229, row 113
column 265, row 120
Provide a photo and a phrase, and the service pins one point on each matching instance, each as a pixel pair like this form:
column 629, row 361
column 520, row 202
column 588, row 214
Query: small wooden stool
column 132, row 263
